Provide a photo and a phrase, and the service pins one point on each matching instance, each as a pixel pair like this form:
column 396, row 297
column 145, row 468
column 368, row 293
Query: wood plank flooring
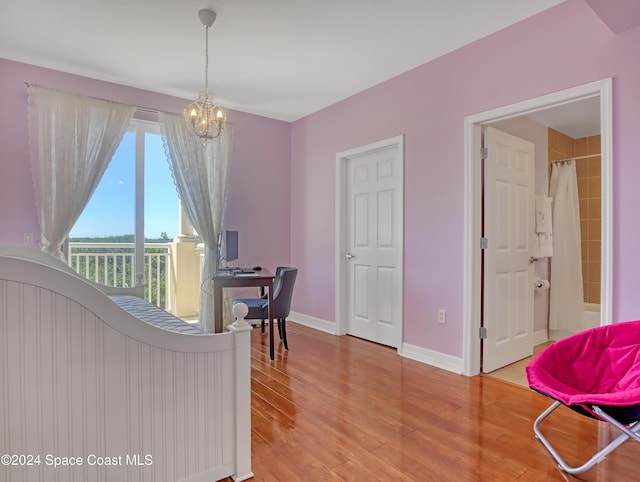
column 341, row 408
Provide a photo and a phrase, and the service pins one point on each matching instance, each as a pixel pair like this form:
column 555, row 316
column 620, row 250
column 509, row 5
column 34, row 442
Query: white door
column 373, row 253
column 510, row 231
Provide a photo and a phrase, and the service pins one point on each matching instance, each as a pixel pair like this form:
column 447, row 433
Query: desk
column 227, row 279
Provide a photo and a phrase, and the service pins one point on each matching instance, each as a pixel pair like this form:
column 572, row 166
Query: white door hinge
column 483, row 332
column 484, row 243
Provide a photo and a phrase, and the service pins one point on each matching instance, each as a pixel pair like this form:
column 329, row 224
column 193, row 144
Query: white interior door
column 509, row 216
column 373, row 253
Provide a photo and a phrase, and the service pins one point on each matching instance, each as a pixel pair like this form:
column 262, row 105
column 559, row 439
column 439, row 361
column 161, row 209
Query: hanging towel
column 543, row 214
column 545, row 245
column 544, row 229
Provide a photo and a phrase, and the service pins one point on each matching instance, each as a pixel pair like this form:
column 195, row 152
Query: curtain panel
column 200, row 170
column 72, row 139
column 566, row 304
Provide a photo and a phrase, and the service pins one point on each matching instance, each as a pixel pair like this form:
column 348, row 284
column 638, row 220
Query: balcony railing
column 113, row 264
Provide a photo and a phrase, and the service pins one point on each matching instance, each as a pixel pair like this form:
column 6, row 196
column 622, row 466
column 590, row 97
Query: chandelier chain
column 206, row 60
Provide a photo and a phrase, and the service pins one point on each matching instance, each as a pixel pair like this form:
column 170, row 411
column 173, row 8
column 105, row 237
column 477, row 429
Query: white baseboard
column 433, row 358
column 313, row 322
column 540, row 337
column 423, row 355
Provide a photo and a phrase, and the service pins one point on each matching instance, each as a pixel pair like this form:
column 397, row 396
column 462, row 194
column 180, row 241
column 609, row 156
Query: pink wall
column 258, row 197
column 619, row 15
column 560, row 48
column 260, row 162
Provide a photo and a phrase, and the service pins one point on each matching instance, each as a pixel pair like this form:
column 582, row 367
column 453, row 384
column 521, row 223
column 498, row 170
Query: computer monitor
column 230, row 246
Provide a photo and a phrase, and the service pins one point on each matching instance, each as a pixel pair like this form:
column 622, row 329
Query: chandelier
column 204, row 118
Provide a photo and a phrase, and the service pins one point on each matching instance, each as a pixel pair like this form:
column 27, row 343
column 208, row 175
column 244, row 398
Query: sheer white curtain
column 72, row 140
column 200, row 170
column 566, row 308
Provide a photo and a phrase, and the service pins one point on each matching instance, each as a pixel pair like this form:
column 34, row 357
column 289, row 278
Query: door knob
column 349, row 256
column 532, row 260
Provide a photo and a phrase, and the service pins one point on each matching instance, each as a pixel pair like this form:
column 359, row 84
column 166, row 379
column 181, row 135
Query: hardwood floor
column 340, row 408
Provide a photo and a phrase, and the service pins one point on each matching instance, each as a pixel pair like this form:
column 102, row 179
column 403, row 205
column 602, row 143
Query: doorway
column 369, row 241
column 473, row 202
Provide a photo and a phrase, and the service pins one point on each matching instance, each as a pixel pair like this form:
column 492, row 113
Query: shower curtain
column 566, row 305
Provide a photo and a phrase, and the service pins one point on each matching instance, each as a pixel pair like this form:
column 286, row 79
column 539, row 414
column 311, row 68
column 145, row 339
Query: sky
column 112, row 207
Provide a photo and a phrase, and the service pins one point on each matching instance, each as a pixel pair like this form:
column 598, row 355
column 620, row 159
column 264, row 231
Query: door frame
column 341, row 265
column 473, row 204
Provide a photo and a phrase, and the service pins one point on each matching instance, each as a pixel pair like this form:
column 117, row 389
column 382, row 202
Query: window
column 132, row 216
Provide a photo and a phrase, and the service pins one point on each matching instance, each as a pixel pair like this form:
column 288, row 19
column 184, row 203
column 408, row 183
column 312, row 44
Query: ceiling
column 577, row 119
column 279, row 58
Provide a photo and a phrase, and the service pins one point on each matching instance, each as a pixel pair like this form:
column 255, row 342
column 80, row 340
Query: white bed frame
column 80, row 378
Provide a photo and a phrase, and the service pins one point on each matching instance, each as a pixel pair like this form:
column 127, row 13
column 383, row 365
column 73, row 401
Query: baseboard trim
column 422, row 355
column 433, row 358
column 313, row 322
column 540, row 337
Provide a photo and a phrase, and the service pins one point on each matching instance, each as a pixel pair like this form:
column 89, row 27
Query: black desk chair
column 283, row 283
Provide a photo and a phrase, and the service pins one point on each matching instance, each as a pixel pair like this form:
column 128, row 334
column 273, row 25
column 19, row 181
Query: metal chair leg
column 598, row 456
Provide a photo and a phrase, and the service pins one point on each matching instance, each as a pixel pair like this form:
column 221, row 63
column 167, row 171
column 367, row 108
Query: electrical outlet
column 442, row 316
column 28, row 239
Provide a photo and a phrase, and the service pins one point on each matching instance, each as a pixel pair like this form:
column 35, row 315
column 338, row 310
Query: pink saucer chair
column 597, row 374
